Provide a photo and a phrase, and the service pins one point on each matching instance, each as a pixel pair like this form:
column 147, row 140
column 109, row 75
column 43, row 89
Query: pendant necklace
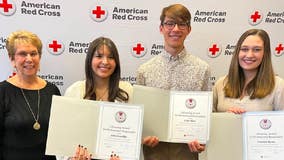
column 36, row 125
column 101, row 97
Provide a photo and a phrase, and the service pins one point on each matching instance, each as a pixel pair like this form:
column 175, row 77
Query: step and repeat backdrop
column 67, row 26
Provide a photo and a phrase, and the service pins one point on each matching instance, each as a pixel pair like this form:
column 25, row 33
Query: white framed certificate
column 170, row 116
column 120, row 130
column 189, row 116
column 102, row 127
column 263, row 135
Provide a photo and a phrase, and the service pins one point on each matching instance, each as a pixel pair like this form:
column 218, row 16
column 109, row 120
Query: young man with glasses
column 174, row 69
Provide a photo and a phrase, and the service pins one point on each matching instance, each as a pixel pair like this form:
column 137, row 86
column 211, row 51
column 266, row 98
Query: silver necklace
column 36, row 125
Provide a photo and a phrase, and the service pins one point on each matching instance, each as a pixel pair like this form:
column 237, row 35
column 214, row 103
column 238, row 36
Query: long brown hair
column 115, row 93
column 264, row 81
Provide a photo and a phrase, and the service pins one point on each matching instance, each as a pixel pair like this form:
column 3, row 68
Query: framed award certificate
column 175, row 116
column 263, row 135
column 120, row 130
column 102, row 127
column 189, row 116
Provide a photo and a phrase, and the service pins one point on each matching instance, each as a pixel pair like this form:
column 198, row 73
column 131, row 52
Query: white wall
column 73, row 22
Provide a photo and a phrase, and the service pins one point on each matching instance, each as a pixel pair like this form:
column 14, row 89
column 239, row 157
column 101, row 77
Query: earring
column 13, row 73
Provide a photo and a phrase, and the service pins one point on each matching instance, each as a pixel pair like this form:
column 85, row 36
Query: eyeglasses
column 254, row 49
column 170, row 25
column 25, row 54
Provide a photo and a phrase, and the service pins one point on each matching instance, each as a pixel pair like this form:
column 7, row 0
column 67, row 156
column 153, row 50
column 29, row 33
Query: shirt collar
column 169, row 57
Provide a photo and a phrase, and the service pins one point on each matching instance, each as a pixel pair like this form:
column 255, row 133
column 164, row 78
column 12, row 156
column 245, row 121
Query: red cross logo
column 214, row 51
column 55, row 47
column 5, row 5
column 255, row 18
column 7, row 8
column 138, row 50
column 279, row 50
column 98, row 13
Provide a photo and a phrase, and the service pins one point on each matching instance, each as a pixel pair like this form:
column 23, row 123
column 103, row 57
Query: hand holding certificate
column 102, row 127
column 175, row 116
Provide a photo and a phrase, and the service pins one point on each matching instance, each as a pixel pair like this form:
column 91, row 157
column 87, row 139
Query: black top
column 18, row 139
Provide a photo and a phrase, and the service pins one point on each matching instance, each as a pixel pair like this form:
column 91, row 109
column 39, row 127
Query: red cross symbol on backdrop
column 255, row 16
column 5, row 5
column 55, row 46
column 13, row 74
column 98, row 12
column 214, row 49
column 138, row 48
column 279, row 49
